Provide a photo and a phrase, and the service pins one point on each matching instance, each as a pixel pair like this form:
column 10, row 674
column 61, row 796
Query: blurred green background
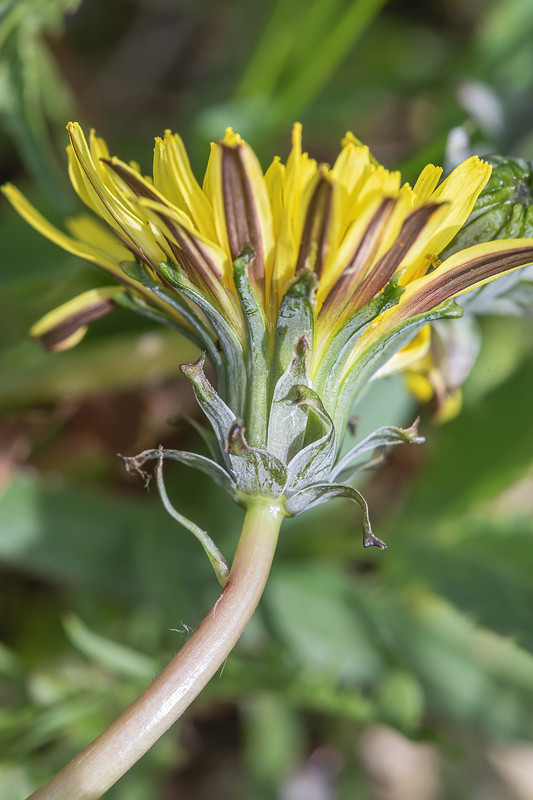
column 404, row 675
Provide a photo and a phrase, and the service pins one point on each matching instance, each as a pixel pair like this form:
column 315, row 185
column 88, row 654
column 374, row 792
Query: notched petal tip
column 296, row 136
column 76, row 136
column 231, row 139
column 350, row 139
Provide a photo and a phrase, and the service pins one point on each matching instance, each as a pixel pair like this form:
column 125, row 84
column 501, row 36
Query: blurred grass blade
column 322, row 57
column 27, row 75
column 280, row 32
column 111, row 655
column 309, row 42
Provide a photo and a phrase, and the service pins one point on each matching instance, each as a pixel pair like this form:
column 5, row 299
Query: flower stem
column 112, row 754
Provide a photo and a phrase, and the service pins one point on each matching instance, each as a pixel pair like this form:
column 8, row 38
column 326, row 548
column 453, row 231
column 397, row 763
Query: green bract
column 292, row 455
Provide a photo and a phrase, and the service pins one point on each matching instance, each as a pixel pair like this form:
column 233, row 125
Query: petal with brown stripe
column 388, row 264
column 314, row 244
column 67, row 325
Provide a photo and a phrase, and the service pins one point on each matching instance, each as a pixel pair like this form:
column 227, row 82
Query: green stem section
column 112, row 754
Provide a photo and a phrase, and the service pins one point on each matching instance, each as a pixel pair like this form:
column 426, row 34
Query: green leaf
column 27, row 75
column 309, row 610
column 81, row 538
column 470, row 675
column 483, row 450
column 482, row 565
column 117, row 658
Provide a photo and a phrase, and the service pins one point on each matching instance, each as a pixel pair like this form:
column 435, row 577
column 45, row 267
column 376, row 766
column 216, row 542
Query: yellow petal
column 212, row 187
column 377, row 181
column 232, row 139
column 174, row 178
column 275, row 181
column 459, row 192
column 349, row 245
column 412, row 352
column 362, row 253
column 318, row 233
column 463, row 271
column 349, row 138
column 449, row 406
column 81, row 249
column 300, row 172
column 427, row 182
column 66, row 325
column 363, row 213
column 46, row 229
column 419, row 385
column 92, row 231
column 411, row 231
column 427, row 382
column 215, row 259
column 111, row 206
column 350, row 165
column 460, row 273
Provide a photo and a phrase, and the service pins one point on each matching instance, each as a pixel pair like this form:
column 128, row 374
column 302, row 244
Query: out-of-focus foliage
column 32, row 89
column 99, row 587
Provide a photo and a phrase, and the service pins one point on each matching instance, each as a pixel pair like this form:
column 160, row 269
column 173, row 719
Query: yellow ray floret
column 354, row 225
